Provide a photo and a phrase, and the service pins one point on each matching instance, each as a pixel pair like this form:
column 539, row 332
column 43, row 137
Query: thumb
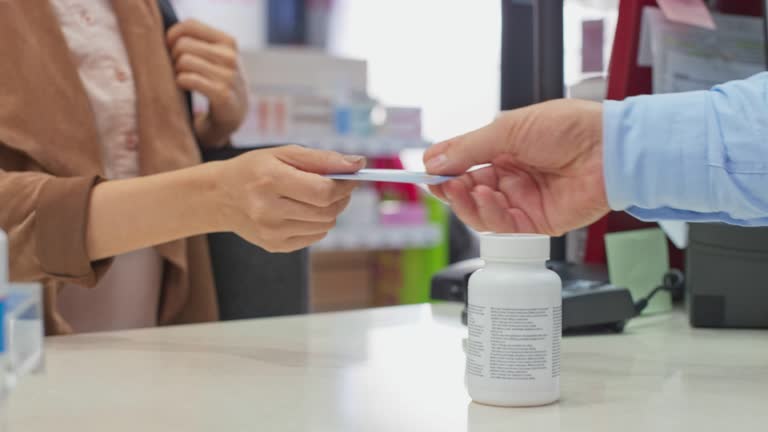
column 457, row 155
column 320, row 161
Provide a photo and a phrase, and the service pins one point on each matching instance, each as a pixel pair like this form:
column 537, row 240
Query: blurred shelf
column 380, row 237
column 366, row 146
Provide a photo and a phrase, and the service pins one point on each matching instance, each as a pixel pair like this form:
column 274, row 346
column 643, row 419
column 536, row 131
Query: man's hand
column 206, row 61
column 545, row 174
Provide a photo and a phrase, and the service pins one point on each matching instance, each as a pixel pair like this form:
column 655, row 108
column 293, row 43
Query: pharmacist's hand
column 206, row 61
column 546, row 172
column 275, row 198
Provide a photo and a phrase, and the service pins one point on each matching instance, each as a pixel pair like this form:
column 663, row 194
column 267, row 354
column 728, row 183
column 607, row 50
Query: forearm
column 131, row 214
column 699, row 156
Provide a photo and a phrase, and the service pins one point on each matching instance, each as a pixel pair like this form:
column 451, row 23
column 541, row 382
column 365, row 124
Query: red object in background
column 740, row 7
column 394, row 191
column 625, row 79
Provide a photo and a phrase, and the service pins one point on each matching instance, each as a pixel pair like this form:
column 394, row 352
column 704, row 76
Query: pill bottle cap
column 514, row 247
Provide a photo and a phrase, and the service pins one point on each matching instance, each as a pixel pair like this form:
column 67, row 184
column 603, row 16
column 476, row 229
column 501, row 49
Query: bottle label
column 517, row 342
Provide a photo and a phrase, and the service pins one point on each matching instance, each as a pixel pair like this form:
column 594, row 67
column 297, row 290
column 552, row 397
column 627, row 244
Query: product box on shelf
column 318, row 100
column 402, row 122
column 304, row 67
column 297, row 92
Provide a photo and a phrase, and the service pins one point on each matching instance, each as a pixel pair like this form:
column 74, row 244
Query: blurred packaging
column 279, row 112
column 403, row 213
column 300, row 94
column 402, row 122
column 304, row 68
column 363, row 209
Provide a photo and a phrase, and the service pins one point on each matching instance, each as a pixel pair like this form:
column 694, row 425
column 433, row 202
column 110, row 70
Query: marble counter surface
column 390, row 369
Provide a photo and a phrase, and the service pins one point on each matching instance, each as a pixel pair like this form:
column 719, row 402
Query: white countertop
column 390, row 369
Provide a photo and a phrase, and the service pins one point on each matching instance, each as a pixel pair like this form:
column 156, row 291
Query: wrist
column 220, row 211
column 596, row 154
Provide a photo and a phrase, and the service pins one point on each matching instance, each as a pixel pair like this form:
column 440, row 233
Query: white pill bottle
column 515, row 323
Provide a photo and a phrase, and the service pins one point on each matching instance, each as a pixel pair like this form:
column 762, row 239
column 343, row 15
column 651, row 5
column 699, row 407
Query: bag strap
column 169, row 20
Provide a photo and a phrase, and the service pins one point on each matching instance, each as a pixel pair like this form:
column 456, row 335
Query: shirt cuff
column 655, row 152
column 62, row 220
column 652, row 215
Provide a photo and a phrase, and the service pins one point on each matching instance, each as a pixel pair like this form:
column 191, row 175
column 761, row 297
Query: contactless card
column 392, row 176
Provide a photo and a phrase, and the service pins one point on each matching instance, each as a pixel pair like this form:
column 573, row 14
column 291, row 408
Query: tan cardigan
column 50, row 157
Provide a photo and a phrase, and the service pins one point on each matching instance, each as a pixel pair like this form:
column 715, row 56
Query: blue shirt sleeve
column 699, row 156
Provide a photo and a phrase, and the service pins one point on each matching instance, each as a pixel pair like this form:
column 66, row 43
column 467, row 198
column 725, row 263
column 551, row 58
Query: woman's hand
column 206, row 61
column 545, row 173
column 277, row 199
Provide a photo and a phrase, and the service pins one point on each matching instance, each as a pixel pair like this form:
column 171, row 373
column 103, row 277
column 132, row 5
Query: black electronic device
column 725, row 266
column 590, row 303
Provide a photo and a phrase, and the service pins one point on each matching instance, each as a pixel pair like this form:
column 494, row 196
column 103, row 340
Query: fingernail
column 354, row 159
column 436, row 162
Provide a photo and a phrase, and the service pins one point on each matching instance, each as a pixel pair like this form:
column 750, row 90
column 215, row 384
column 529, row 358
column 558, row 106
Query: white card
column 392, row 176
